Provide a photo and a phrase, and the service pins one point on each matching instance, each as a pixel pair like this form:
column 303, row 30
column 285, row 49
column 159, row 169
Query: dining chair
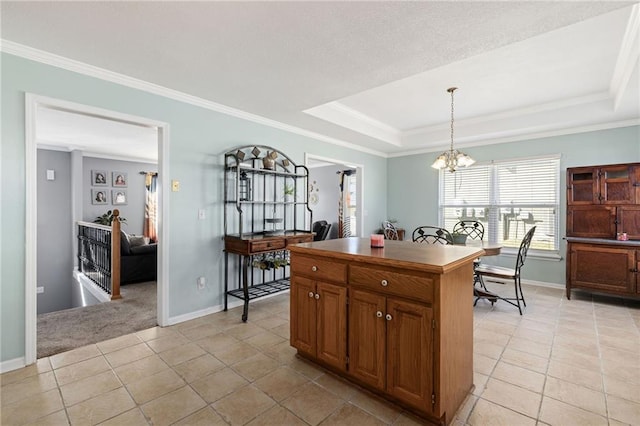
column 492, row 271
column 471, row 228
column 389, row 230
column 431, row 235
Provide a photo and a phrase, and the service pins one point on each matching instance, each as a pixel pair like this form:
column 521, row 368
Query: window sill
column 533, row 254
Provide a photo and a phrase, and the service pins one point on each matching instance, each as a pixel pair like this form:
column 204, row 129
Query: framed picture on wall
column 98, row 178
column 119, row 179
column 118, row 197
column 99, row 196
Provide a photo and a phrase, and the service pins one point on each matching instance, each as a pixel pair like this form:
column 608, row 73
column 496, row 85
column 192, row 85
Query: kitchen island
column 396, row 320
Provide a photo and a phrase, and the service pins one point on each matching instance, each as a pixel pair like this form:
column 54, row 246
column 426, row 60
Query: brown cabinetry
column 409, row 313
column 602, row 203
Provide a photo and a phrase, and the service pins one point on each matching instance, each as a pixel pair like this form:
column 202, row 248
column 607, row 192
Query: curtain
column 151, row 206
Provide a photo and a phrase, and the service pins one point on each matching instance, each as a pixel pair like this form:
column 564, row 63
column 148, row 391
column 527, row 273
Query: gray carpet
column 69, row 329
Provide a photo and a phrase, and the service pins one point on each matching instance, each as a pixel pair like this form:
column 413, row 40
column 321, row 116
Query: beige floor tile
column 576, row 374
column 630, row 373
column 338, row 386
column 519, row 376
column 200, row 367
column 255, row 367
column 59, row 418
column 243, row 405
column 525, row 360
column 623, row 410
column 408, row 419
column 41, row 366
column 619, row 356
column 101, row 408
column 270, row 322
column 490, row 350
column 205, row 417
column 583, row 346
column 312, row 403
column 133, row 417
column 618, row 332
column 235, row 353
column 264, row 340
column 244, row 331
column 27, row 387
column 535, row 348
column 75, row 355
column 306, row 368
column 118, row 343
column 576, row 395
column 29, row 409
column 89, row 387
column 483, row 364
column 181, row 354
column 152, row 387
column 629, row 344
column 283, row 330
column 81, row 369
column 555, row 412
column 155, row 333
column 481, row 335
column 219, row 384
column 216, row 343
column 199, row 332
column 173, row 406
column 488, row 413
column 281, row 383
column 516, row 398
column 277, row 415
column 165, row 343
column 534, row 335
column 381, row 409
column 480, row 383
column 349, row 414
column 622, row 389
column 140, row 369
column 465, row 409
column 127, row 355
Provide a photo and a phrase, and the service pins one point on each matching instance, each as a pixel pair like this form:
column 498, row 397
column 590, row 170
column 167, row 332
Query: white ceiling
column 372, row 75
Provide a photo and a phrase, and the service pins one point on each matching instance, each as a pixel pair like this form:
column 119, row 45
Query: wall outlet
column 201, row 283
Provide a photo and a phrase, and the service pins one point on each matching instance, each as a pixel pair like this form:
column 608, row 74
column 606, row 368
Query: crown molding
column 47, row 58
column 627, row 57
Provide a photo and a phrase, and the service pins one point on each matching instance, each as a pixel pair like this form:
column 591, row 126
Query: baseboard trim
column 96, row 291
column 544, row 284
column 12, row 364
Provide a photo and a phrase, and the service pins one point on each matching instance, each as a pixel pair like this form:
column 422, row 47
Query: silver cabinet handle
column 314, row 268
column 379, row 314
column 388, row 317
column 317, row 296
column 384, row 283
column 310, row 294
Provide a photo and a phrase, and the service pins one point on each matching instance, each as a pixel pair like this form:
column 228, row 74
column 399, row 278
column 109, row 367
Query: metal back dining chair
column 431, row 235
column 484, row 270
column 389, row 230
column 471, row 228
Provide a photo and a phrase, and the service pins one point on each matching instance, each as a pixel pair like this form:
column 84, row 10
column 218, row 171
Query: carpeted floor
column 64, row 330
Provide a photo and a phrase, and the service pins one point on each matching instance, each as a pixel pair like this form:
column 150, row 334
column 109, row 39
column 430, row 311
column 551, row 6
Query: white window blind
column 508, row 198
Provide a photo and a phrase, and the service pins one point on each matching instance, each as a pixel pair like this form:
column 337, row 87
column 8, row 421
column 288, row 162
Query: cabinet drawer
column 318, row 268
column 257, row 246
column 389, row 282
column 300, row 239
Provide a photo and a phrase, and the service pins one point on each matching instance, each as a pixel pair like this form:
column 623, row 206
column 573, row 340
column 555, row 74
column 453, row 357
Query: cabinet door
column 616, row 185
column 410, row 352
column 629, row 221
column 303, row 315
column 604, row 268
column 331, row 328
column 367, row 337
column 582, row 186
column 591, row 221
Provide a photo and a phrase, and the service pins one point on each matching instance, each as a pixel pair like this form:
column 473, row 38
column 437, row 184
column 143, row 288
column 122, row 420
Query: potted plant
column 107, row 219
column 459, row 238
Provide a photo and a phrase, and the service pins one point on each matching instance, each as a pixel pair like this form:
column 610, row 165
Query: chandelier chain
column 452, row 90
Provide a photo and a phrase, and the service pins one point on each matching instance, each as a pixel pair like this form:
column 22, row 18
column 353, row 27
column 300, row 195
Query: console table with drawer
column 397, row 320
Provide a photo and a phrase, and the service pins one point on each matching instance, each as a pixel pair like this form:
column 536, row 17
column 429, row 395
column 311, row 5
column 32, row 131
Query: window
column 508, row 197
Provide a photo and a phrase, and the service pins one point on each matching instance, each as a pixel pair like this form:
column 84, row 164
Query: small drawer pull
column 379, row 314
column 317, row 296
column 384, row 283
column 310, row 294
column 388, row 317
column 314, row 268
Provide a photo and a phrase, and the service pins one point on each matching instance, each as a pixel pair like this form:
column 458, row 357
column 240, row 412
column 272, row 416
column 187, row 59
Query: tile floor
column 562, row 363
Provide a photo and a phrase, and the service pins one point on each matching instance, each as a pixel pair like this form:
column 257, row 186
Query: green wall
column 413, row 185
column 198, row 138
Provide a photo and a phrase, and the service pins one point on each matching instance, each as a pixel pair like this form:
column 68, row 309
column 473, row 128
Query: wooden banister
column 115, row 255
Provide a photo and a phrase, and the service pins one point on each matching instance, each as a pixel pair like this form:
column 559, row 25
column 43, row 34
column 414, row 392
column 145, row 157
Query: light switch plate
column 51, row 174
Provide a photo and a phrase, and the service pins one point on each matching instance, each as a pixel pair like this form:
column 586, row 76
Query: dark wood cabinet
column 603, row 202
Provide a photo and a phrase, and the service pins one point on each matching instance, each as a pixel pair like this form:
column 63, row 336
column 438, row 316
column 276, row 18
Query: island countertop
column 435, row 258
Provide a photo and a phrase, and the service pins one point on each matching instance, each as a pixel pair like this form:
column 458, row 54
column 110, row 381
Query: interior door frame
column 359, row 185
column 32, row 103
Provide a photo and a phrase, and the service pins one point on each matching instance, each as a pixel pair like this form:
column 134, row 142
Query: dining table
column 490, row 249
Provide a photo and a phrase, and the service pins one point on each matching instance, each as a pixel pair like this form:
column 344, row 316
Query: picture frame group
column 100, row 178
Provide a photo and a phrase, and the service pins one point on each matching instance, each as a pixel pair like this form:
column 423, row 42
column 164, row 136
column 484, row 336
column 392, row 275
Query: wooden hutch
column 603, row 203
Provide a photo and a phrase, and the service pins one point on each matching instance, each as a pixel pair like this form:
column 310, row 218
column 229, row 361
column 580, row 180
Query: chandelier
column 453, row 158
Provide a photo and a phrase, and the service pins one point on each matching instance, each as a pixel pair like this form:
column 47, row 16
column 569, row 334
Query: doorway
column 35, row 107
column 336, row 194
